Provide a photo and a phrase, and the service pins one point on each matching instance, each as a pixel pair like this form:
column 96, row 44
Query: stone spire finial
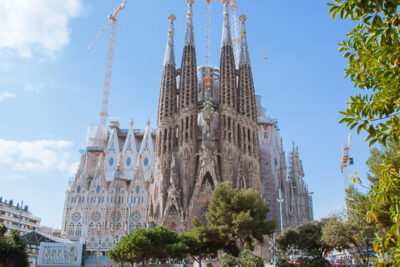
column 148, row 122
column 244, row 51
column 189, row 38
column 243, row 19
column 131, row 123
column 226, row 33
column 169, row 57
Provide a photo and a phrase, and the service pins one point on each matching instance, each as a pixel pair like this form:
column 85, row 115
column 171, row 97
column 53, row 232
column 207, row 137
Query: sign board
column 60, row 254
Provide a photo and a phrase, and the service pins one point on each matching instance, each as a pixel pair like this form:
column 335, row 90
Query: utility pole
column 311, row 204
column 280, row 200
column 20, row 216
column 129, row 216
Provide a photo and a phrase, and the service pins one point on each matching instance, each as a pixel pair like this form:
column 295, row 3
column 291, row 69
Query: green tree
column 143, row 245
column 248, row 259
column 378, row 162
column 310, row 238
column 287, row 241
column 240, row 216
column 384, row 175
column 353, row 232
column 285, row 262
column 373, row 52
column 306, row 238
column 12, row 249
column 227, row 260
column 200, row 242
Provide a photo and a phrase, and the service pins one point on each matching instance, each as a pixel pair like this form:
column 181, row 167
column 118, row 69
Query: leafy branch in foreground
column 373, row 52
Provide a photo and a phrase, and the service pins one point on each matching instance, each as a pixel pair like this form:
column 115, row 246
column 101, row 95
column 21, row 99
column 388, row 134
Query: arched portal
column 207, row 182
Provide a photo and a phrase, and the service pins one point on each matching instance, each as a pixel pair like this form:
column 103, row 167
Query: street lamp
column 280, row 200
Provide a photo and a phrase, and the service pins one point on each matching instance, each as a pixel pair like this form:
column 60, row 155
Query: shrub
column 248, row 259
column 227, row 260
column 284, row 262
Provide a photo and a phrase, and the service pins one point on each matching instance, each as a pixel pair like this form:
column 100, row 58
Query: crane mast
column 208, row 32
column 346, row 161
column 112, row 20
column 235, row 25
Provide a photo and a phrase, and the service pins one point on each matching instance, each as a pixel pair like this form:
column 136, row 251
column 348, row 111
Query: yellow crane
column 112, row 20
column 346, row 161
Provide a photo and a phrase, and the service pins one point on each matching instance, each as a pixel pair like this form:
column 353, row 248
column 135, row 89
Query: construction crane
column 346, row 161
column 112, row 20
column 208, row 32
column 234, row 22
column 235, row 25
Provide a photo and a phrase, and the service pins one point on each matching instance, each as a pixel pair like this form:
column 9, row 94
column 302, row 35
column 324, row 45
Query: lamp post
column 280, row 200
column 311, row 204
column 129, row 216
column 20, row 216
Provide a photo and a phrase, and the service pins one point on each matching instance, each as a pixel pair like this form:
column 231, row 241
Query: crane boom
column 112, row 20
column 345, row 161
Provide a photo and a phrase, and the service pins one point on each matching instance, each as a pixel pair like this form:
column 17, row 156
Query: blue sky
column 51, row 87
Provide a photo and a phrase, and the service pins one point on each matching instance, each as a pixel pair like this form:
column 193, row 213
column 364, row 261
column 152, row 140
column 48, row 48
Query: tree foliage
column 385, row 201
column 353, row 232
column 373, row 52
column 239, row 216
column 248, row 259
column 227, row 260
column 306, row 238
column 12, row 249
column 143, row 245
column 200, row 242
column 285, row 262
column 287, row 241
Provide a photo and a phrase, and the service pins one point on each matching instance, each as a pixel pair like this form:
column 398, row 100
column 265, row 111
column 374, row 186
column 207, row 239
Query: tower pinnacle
column 169, row 57
column 189, row 38
column 226, row 33
column 244, row 51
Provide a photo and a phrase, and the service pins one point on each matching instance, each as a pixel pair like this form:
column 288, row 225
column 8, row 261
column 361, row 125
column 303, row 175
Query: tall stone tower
column 206, row 132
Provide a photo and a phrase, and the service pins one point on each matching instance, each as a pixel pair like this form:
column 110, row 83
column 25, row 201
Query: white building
column 19, row 218
column 108, row 196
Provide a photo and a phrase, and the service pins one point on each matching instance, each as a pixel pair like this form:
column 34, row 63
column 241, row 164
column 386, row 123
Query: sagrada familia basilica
column 211, row 128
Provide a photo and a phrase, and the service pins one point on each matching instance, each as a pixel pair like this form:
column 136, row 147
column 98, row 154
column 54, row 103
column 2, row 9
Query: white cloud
column 37, row 156
column 28, row 25
column 32, row 88
column 5, row 95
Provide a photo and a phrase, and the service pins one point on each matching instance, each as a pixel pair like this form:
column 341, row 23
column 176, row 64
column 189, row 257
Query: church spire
column 247, row 99
column 188, row 82
column 167, row 100
column 169, row 57
column 244, row 51
column 226, row 32
column 189, row 38
column 228, row 89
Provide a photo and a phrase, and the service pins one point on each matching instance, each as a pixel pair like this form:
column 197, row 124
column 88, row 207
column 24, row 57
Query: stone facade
column 211, row 128
column 108, row 196
column 278, row 176
column 206, row 132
